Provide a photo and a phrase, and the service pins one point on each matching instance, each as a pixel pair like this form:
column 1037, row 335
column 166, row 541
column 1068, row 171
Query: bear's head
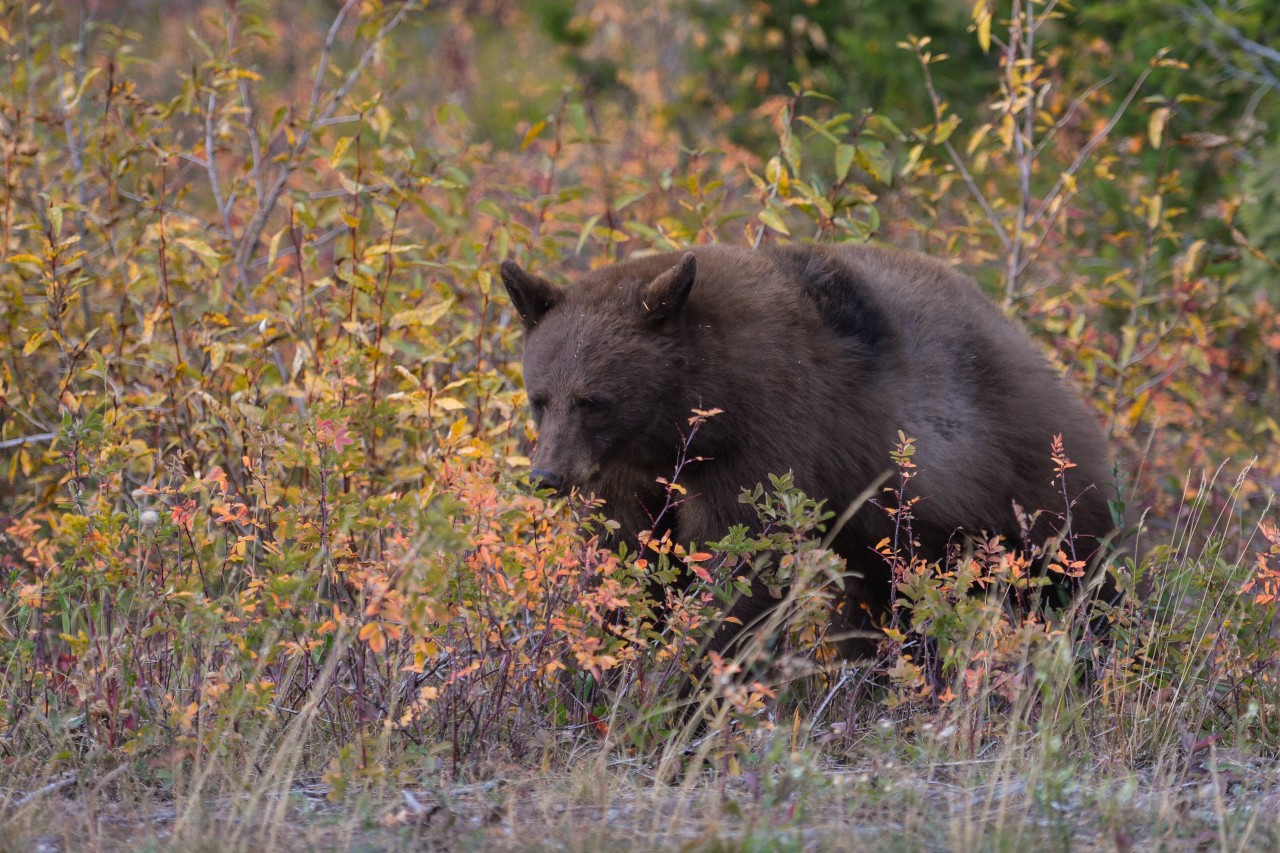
column 604, row 366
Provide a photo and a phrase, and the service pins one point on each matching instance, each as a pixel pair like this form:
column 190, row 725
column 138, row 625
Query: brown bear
column 816, row 356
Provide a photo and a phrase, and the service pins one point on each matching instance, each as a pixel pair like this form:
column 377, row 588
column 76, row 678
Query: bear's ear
column 532, row 295
column 667, row 293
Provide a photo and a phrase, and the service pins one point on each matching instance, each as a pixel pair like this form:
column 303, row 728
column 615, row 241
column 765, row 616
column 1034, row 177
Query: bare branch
column 166, row 208
column 1021, row 47
column 255, row 145
column 57, row 785
column 1248, row 45
column 956, row 160
column 1046, row 205
column 1260, row 55
column 327, row 237
column 316, row 116
column 1076, row 103
column 27, row 439
column 215, row 184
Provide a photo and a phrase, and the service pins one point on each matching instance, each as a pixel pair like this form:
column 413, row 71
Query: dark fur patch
column 839, row 295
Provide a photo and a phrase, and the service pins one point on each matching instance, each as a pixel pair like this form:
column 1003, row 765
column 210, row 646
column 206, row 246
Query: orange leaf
column 372, row 634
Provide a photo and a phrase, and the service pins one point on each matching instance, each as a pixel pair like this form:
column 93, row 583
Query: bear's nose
column 544, row 479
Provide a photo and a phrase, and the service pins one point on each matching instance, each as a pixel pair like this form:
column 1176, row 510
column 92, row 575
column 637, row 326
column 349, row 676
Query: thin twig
column 27, row 439
column 958, row 161
column 316, row 116
column 1248, row 45
column 66, row 780
column 1085, row 153
column 845, row 674
column 215, row 182
column 1076, row 103
column 327, row 237
column 782, row 150
column 75, row 141
column 1021, row 56
column 168, row 209
column 255, row 144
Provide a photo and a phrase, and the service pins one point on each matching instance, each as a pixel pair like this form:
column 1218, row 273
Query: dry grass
column 801, row 799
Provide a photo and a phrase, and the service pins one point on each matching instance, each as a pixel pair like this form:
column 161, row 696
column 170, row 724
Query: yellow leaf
column 1155, row 206
column 273, row 249
column 532, row 134
column 1189, row 263
column 982, row 17
column 1138, row 407
column 201, row 250
column 409, row 376
column 24, row 259
column 976, row 139
column 450, row 404
column 338, row 150
column 391, row 248
column 423, row 317
column 1156, row 124
column 34, row 342
column 776, row 175
column 913, row 159
column 217, row 355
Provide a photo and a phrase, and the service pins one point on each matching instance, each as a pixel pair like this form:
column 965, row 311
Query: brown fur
column 817, row 357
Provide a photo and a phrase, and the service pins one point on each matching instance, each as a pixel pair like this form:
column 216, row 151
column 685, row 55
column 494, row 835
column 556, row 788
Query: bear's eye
column 538, row 404
column 592, row 405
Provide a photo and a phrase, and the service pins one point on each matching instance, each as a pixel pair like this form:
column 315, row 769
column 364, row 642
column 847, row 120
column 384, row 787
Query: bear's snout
column 544, row 479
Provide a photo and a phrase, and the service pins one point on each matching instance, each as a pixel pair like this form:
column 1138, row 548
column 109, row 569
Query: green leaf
column 578, row 118
column 819, row 129
column 879, row 123
column 874, row 160
column 772, row 220
column 844, row 161
column 943, row 131
column 794, row 156
column 586, row 233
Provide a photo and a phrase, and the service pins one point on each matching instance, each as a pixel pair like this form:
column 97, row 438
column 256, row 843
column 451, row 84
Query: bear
column 816, row 356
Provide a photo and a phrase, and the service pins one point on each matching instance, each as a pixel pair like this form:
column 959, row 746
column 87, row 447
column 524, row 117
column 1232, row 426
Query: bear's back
column 935, row 358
